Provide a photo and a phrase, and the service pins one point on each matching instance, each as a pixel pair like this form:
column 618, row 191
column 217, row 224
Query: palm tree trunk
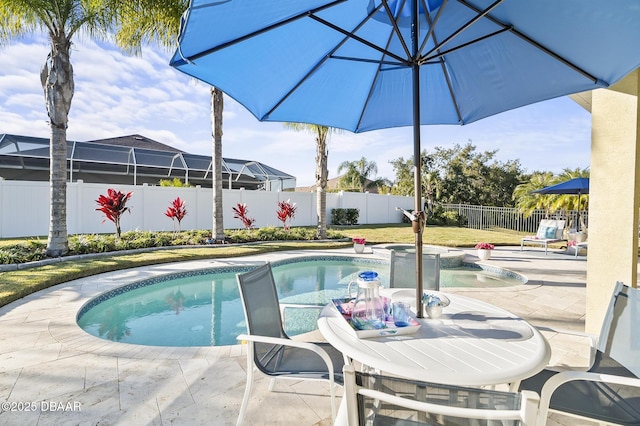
column 57, row 81
column 321, row 184
column 217, row 106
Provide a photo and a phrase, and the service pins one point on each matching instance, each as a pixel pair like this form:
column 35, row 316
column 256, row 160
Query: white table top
column 473, row 343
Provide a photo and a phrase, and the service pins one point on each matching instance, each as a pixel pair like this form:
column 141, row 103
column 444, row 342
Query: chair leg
column 247, row 391
column 332, row 387
column 272, row 384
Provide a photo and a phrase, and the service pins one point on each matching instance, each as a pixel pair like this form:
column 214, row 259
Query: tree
column 476, row 178
column 430, row 180
column 158, row 22
column 526, row 200
column 359, row 175
column 322, row 173
column 61, row 20
column 570, row 201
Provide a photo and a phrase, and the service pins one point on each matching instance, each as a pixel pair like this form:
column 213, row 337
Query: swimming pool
column 203, row 308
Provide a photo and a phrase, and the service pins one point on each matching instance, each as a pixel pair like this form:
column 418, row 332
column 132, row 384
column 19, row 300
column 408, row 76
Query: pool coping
column 66, row 331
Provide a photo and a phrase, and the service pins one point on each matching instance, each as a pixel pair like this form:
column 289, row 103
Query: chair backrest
column 373, row 399
column 555, row 226
column 618, row 350
column 260, row 302
column 402, row 270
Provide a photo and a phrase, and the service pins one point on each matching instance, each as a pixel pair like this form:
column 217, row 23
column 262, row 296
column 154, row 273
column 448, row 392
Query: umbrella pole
column 418, row 223
column 579, row 210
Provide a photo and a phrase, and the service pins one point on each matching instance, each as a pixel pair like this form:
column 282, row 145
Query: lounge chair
column 609, row 392
column 578, row 246
column 373, row 399
column 549, row 231
column 269, row 348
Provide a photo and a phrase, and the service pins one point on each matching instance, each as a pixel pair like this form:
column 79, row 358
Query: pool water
column 204, row 308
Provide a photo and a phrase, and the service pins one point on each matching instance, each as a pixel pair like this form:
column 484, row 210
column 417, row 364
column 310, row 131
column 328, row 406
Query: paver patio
column 48, row 364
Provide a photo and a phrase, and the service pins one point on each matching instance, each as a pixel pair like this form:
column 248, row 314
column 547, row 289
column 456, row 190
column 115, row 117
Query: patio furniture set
column 551, row 231
column 448, row 369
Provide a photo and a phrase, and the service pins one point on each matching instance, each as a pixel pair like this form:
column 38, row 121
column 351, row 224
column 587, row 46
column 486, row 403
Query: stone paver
column 48, row 364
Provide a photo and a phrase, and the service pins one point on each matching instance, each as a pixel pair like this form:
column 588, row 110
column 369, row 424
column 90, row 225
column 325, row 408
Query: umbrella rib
column 445, row 72
column 359, row 39
column 534, row 43
column 375, row 78
column 395, row 26
column 329, row 56
column 439, row 55
column 432, row 25
column 480, row 15
column 302, row 15
column 372, row 61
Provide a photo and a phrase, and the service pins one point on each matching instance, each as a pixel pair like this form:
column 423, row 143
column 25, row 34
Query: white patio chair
column 609, row 392
column 549, row 231
column 270, row 350
column 373, row 399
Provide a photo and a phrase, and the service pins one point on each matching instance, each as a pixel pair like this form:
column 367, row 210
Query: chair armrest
column 294, row 343
column 566, row 376
column 593, row 339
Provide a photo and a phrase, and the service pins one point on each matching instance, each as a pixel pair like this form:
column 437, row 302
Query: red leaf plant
column 286, row 212
column 176, row 211
column 241, row 212
column 113, row 205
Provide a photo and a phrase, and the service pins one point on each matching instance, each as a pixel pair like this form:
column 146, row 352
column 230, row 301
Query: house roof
column 132, row 159
column 136, row 141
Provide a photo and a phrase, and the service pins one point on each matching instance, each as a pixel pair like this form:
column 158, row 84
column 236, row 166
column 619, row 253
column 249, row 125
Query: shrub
column 102, row 243
column 175, row 182
column 176, row 212
column 344, row 216
column 113, row 205
column 286, row 212
column 242, row 212
column 440, row 217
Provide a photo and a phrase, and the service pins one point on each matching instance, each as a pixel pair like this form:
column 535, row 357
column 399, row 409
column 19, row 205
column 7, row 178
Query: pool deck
column 49, row 363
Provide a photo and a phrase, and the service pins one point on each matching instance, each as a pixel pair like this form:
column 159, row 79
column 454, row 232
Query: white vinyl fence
column 24, row 207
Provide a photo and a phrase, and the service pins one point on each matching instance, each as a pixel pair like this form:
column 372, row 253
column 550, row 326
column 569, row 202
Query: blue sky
column 117, row 94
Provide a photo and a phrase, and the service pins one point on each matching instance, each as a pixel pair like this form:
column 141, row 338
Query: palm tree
column 526, row 201
column 158, row 22
column 359, row 175
column 60, row 20
column 322, row 173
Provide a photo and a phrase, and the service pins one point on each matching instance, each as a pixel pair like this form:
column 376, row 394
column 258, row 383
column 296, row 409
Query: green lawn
column 17, row 284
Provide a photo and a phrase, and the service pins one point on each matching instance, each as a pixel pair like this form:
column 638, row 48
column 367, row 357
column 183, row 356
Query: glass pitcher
column 368, row 309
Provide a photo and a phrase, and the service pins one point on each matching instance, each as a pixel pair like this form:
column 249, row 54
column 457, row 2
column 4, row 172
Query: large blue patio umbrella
column 577, row 186
column 370, row 64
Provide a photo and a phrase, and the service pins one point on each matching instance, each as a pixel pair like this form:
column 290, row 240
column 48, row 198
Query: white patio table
column 473, row 343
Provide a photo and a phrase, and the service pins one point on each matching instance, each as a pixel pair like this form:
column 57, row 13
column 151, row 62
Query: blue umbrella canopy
column 571, row 186
column 363, row 65
column 349, row 63
column 577, row 186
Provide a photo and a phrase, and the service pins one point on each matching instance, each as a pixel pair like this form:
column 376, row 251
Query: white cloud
column 118, row 94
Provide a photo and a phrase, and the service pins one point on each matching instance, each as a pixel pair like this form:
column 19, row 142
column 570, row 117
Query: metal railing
column 484, row 217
